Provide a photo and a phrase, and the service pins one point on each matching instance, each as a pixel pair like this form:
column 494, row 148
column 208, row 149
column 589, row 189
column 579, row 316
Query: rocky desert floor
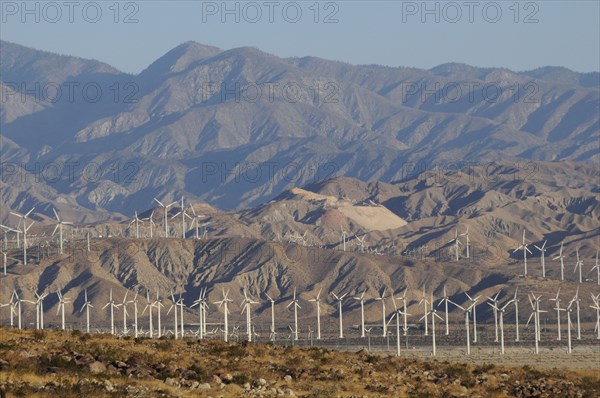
column 73, row 364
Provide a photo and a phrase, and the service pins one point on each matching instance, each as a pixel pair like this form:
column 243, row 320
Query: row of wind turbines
column 154, row 306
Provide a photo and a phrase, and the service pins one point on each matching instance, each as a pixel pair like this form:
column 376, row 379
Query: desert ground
column 73, row 364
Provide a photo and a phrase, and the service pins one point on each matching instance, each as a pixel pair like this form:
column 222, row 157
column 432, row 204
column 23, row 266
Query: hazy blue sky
column 518, row 35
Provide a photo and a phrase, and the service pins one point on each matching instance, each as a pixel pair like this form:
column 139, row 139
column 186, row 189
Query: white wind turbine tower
column 501, row 311
column 158, row 304
column 467, row 241
column 316, row 300
column 137, row 222
column 457, row 243
column 445, row 300
column 166, row 215
column 196, row 219
column 14, row 299
column 295, row 304
column 246, row 306
column 596, row 306
column 467, row 327
column 361, row 298
column 181, row 323
column 135, row 314
column 569, row 327
column 124, row 306
column 148, row 307
column 150, row 220
column 200, row 302
column 516, row 301
column 562, row 263
column 272, row 336
column 343, row 237
column 558, row 310
column 403, row 298
column 433, row 314
column 183, row 216
column 86, row 305
column 26, row 227
column 474, row 305
column 397, row 312
column 579, row 264
column 39, row 310
column 111, row 304
column 340, row 299
column 19, row 301
column 59, row 227
column 543, row 252
column 383, row 312
column 174, row 308
column 494, row 301
column 536, row 318
column 361, row 243
column 61, row 307
column 426, row 310
column 224, row 303
column 595, row 267
column 525, row 250
column 576, row 300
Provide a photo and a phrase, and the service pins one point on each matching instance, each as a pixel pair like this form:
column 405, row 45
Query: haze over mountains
column 191, row 124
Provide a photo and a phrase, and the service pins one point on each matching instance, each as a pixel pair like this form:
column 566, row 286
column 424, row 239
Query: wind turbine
column 457, row 243
column 361, row 243
column 61, row 307
column 433, row 314
column 19, row 301
column 340, row 309
column 474, row 305
column 26, row 227
column 183, row 216
column 246, row 306
column 525, row 250
column 596, row 306
column 158, row 304
column 445, row 301
column 397, row 312
column 166, row 210
column 579, row 264
column 569, row 327
column 124, row 305
column 148, row 307
column 343, row 237
column 150, row 220
column 383, row 313
column 543, row 251
column 426, row 310
column 562, row 263
column 295, row 304
column 558, row 310
column 86, row 305
column 595, row 267
column 224, row 302
column 200, row 302
column 494, row 300
column 535, row 315
column 316, row 300
column 466, row 234
column 181, row 323
column 111, row 304
column 137, row 222
column 501, row 310
column 174, row 307
column 196, row 219
column 39, row 310
column 576, row 300
column 135, row 314
column 59, row 226
column 516, row 301
column 466, row 310
column 403, row 298
column 361, row 298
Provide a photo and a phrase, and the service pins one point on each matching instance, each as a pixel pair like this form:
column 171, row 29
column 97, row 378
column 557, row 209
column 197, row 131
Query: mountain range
column 236, row 128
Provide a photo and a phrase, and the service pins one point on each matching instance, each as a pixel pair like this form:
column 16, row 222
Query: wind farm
column 369, row 237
